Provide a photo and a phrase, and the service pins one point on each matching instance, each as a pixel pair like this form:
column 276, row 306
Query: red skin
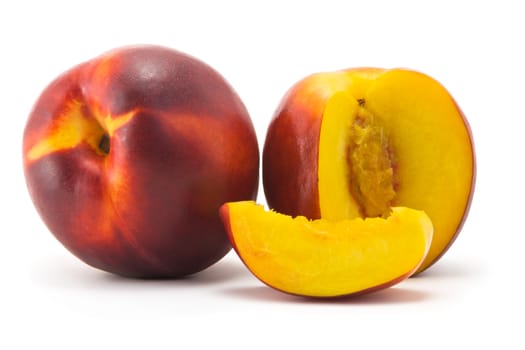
column 291, row 147
column 150, row 207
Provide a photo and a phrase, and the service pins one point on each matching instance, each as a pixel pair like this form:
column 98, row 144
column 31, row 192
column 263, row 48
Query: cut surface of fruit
column 402, row 142
column 323, row 258
column 356, row 166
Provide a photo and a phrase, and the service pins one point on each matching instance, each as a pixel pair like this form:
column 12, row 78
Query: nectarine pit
column 371, row 164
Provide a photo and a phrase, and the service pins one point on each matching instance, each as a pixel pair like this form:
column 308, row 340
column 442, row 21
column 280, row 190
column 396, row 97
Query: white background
column 472, row 297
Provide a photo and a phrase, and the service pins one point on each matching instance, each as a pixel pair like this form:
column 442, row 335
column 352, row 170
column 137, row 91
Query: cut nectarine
column 323, row 258
column 355, row 143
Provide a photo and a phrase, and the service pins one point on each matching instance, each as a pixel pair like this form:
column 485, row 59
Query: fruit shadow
column 404, row 292
column 222, row 272
column 450, row 270
column 58, row 275
column 393, row 295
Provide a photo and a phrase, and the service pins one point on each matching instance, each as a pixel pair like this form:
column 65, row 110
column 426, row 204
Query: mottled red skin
column 290, row 153
column 150, row 207
column 225, row 216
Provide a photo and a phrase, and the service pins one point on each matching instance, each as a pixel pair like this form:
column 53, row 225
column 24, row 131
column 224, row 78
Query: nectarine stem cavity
column 104, row 144
column 75, row 125
column 370, row 162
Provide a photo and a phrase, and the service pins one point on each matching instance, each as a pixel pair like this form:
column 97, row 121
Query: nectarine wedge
column 322, row 258
column 355, row 143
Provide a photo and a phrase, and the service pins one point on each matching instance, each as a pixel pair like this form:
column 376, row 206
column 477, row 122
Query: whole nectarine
column 129, row 156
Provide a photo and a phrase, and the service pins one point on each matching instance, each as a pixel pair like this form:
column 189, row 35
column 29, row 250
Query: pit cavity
column 371, row 164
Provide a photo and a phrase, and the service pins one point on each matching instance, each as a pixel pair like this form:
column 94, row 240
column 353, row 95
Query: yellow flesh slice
column 325, row 258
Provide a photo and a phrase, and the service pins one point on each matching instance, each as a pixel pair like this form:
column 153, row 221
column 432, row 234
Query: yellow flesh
column 334, row 186
column 327, row 258
column 433, row 148
column 415, row 143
